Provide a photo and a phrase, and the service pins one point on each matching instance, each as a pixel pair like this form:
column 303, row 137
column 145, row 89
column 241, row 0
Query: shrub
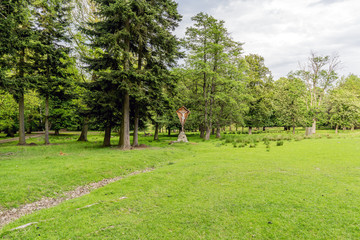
column 279, row 143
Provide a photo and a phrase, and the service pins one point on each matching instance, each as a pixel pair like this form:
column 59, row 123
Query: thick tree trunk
column 124, row 142
column 207, row 133
column 250, row 130
column 218, row 135
column 293, row 129
column 136, row 128
column 169, row 132
column 22, row 140
column 336, row 129
column 47, row 121
column 314, row 126
column 29, row 130
column 107, row 137
column 156, row 135
column 213, row 131
column 84, row 130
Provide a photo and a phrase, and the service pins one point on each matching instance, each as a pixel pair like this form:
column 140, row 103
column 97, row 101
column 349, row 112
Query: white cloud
column 285, row 32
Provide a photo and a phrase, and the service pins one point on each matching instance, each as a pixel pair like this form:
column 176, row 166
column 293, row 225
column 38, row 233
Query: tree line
column 113, row 65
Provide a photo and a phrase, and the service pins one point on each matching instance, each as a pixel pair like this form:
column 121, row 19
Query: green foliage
column 290, row 102
column 259, row 87
column 8, row 112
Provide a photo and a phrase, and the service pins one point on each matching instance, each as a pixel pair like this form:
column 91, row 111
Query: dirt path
column 17, row 138
column 15, row 213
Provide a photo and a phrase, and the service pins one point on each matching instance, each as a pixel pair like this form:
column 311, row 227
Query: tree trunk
column 136, row 128
column 57, row 132
column 352, row 128
column 207, row 133
column 169, row 132
column 250, row 130
column 124, row 141
column 22, row 140
column 264, row 129
column 314, row 126
column 218, row 132
column 107, row 137
column 336, row 129
column 202, row 133
column 84, row 130
column 212, row 131
column 230, row 128
column 47, row 121
column 344, row 128
column 293, row 129
column 156, row 135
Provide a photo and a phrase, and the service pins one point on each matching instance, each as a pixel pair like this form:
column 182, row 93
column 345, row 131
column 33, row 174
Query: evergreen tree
column 137, row 44
column 258, row 91
column 52, row 55
column 210, row 74
column 15, row 48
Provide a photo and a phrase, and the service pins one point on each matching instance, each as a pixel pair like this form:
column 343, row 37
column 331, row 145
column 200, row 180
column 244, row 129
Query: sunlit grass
column 303, row 189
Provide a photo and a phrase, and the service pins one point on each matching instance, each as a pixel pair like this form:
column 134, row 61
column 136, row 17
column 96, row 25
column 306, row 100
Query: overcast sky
column 284, row 32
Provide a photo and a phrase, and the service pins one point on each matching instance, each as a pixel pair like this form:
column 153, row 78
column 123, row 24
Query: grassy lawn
column 302, row 189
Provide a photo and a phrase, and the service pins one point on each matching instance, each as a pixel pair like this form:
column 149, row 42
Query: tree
column 15, row 48
column 289, row 102
column 52, row 55
column 209, row 64
column 137, row 44
column 319, row 75
column 344, row 108
column 258, row 91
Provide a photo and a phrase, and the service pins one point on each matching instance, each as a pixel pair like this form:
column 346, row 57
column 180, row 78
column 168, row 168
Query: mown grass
column 28, row 173
column 301, row 190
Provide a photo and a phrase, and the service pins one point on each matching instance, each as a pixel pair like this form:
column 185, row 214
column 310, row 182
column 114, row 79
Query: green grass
column 307, row 189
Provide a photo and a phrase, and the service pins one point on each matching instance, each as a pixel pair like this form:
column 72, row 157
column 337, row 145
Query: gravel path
column 17, row 138
column 8, row 216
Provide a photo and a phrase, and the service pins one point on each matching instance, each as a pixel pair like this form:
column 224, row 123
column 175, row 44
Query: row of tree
column 112, row 65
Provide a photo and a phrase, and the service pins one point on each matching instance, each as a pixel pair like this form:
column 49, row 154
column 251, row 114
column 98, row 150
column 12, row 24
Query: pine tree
column 15, row 48
column 137, row 44
column 52, row 55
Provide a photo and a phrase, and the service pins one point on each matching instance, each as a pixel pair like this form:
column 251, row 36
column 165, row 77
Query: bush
column 279, row 143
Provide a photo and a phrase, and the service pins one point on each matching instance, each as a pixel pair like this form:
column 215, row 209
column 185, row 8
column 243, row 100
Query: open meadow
column 264, row 186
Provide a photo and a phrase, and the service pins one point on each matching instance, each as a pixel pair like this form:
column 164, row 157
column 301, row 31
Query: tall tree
column 136, row 40
column 15, row 47
column 210, row 48
column 52, row 55
column 319, row 75
column 258, row 91
column 289, row 102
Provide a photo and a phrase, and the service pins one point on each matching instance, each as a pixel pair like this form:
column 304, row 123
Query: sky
column 285, row 32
